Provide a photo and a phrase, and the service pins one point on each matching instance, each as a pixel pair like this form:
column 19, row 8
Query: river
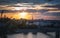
column 31, row 35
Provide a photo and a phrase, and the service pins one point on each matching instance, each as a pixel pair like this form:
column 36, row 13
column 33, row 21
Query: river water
column 31, row 35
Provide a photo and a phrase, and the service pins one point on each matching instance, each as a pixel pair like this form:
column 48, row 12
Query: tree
column 23, row 23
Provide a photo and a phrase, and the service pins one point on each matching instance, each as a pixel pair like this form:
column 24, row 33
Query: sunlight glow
column 23, row 15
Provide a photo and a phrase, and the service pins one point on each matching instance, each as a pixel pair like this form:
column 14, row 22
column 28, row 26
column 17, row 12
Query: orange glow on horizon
column 23, row 15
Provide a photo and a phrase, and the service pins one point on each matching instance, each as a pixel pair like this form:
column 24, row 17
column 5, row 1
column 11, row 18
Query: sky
column 51, row 12
column 28, row 1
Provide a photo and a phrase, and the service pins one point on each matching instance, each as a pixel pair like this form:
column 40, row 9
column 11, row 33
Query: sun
column 23, row 15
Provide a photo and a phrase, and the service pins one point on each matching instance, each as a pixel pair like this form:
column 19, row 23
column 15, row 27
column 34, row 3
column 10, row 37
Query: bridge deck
column 36, row 30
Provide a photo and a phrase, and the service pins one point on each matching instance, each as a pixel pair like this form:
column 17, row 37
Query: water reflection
column 29, row 35
column 41, row 35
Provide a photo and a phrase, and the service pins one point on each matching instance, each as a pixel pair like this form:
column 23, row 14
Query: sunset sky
column 38, row 9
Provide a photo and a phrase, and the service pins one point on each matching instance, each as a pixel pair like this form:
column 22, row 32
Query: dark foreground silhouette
column 12, row 26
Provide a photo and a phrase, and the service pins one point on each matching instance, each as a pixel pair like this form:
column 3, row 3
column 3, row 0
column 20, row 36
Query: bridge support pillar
column 57, row 34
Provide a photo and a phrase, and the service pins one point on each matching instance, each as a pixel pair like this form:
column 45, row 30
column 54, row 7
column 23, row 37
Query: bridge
column 41, row 29
column 35, row 31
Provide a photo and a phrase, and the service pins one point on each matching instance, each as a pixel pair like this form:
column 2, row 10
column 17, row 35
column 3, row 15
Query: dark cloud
column 20, row 1
column 52, row 14
column 39, row 11
column 28, row 1
column 8, row 11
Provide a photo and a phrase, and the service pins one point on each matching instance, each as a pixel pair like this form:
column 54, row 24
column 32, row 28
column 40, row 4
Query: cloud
column 21, row 1
column 29, row 1
column 52, row 14
column 51, row 17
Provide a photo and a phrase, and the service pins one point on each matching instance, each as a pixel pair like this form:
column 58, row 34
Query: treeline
column 12, row 23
